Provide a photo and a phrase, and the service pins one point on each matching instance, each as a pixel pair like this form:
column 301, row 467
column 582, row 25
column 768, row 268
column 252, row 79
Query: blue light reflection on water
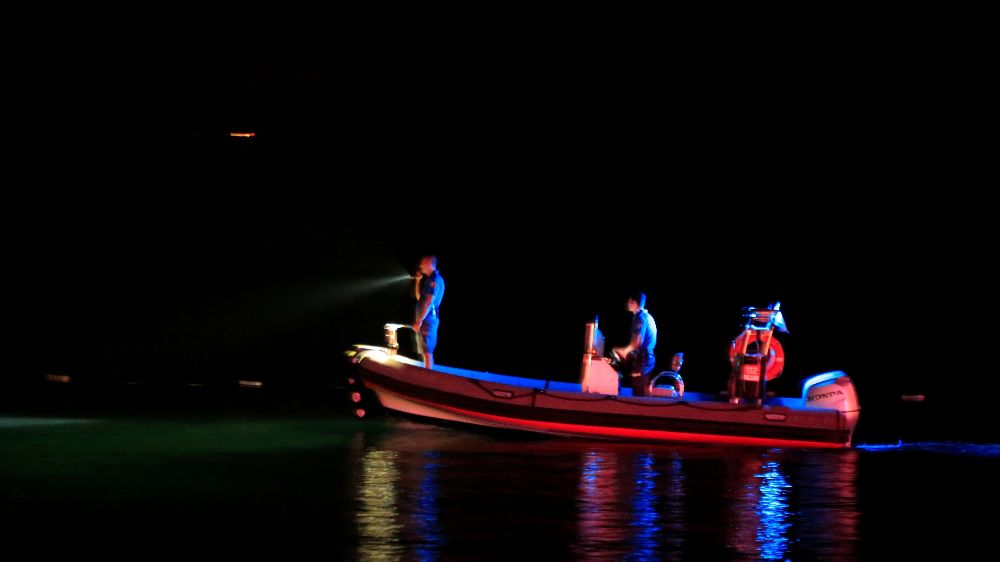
column 376, row 491
column 673, row 508
column 426, row 510
column 629, row 507
column 600, row 516
column 946, row 447
column 631, row 503
column 760, row 515
column 645, row 517
column 772, row 509
column 447, row 492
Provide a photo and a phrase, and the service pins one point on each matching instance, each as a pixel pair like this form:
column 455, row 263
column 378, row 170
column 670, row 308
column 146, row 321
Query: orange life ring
column 775, row 354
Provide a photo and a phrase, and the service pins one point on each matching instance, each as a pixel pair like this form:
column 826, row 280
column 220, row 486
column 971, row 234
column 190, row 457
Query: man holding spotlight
column 428, row 290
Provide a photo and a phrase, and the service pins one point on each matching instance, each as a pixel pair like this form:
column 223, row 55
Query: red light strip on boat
column 643, row 434
column 627, row 433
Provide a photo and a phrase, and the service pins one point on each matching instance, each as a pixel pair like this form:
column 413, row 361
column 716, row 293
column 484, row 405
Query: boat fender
column 775, row 355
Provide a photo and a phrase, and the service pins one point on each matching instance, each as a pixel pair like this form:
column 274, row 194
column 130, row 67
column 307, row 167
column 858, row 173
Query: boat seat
column 675, row 390
column 667, row 391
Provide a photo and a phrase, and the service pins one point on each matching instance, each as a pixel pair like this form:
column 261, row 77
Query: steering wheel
column 614, row 359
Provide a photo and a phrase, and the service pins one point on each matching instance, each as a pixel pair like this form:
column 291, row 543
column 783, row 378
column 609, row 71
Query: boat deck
column 560, row 386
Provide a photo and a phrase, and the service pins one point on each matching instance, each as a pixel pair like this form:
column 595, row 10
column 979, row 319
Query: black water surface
column 329, row 486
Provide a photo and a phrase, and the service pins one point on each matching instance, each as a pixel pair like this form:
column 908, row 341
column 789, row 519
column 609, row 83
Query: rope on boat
column 482, row 386
column 649, row 405
column 536, row 391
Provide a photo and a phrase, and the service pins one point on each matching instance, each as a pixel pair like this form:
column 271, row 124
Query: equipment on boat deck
column 598, row 406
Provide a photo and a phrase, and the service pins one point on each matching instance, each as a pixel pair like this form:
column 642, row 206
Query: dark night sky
column 552, row 159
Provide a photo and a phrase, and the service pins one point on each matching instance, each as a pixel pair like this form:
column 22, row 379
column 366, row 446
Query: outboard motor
column 833, row 390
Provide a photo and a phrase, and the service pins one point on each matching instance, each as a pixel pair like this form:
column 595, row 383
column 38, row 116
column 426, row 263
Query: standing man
column 638, row 358
column 428, row 290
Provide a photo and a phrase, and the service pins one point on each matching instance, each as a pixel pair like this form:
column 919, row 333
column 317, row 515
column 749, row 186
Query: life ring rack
column 775, row 353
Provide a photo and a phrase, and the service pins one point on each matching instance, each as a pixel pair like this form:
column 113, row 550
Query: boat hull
column 407, row 388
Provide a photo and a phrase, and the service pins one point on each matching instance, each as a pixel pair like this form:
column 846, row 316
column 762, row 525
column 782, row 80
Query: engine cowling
column 834, row 390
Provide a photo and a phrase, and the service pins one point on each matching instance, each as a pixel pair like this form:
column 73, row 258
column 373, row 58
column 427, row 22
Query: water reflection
column 425, row 494
column 398, row 505
column 772, row 508
column 630, row 504
column 826, row 503
column 601, row 519
column 816, row 514
column 378, row 528
column 673, row 525
column 645, row 519
column 425, row 511
column 760, row 515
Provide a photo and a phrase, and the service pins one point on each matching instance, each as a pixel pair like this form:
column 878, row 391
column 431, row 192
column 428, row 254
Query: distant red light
column 243, row 135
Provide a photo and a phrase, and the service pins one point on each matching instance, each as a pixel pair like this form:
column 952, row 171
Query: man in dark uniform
column 428, row 290
column 638, row 358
